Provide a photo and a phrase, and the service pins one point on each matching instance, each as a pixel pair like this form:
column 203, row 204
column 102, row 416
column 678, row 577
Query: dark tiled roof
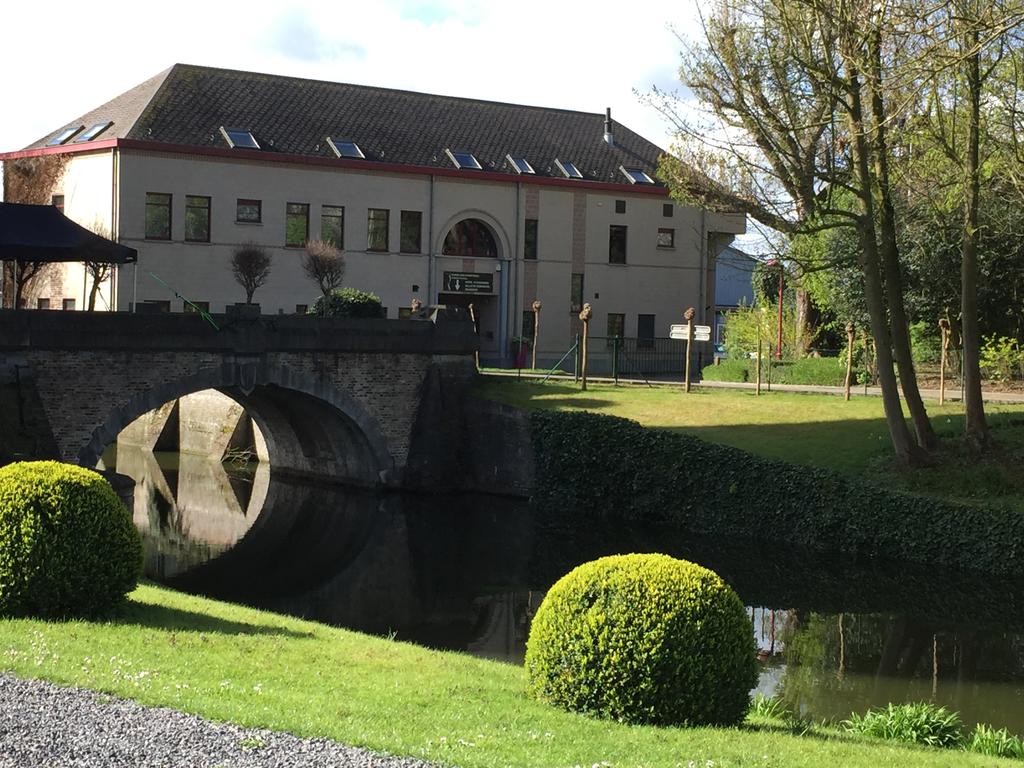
column 188, row 104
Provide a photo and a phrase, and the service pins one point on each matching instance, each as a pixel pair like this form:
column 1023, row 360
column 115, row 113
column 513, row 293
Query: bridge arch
column 310, row 426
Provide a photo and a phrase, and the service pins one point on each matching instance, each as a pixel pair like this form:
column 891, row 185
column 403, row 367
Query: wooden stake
column 688, row 316
column 757, row 391
column 536, row 333
column 476, row 330
column 585, row 317
column 849, row 360
column 944, row 327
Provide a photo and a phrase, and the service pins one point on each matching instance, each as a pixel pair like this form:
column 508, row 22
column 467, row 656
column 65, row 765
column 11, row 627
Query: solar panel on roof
column 569, row 169
column 464, row 160
column 636, row 175
column 520, row 164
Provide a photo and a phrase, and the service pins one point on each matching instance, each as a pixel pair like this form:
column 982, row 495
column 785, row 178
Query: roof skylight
column 567, row 168
column 238, row 138
column 464, row 160
column 636, row 175
column 520, row 164
column 94, row 131
column 345, row 148
column 64, row 135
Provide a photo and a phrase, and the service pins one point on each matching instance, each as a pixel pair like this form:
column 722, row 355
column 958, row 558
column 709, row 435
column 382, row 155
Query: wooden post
column 688, row 316
column 585, row 317
column 536, row 333
column 849, row 360
column 476, row 330
column 944, row 327
column 757, row 390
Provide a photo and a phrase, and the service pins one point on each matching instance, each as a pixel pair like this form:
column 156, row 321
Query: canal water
column 467, row 573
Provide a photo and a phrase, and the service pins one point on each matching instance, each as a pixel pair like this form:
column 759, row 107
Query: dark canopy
column 43, row 233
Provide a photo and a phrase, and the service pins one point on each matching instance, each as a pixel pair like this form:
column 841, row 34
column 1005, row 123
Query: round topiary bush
column 348, row 302
column 644, row 639
column 68, row 546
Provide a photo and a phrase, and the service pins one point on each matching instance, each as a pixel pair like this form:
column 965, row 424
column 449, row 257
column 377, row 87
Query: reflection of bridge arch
column 310, row 426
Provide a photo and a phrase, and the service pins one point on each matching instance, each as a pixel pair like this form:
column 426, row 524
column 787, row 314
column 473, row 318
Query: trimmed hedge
column 348, row 302
column 818, row 371
column 643, row 639
column 594, row 465
column 68, row 546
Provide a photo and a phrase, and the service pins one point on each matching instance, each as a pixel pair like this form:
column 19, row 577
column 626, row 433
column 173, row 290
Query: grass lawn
column 226, row 662
column 817, row 430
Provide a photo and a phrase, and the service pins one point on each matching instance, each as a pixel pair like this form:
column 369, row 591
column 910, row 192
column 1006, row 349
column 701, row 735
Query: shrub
column 68, row 546
column 914, row 723
column 986, row 740
column 348, row 302
column 725, row 492
column 823, row 371
column 1002, row 359
column 643, row 639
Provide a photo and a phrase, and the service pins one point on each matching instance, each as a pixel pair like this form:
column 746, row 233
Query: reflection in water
column 467, row 573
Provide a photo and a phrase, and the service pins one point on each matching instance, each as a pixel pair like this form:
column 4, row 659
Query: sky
column 63, row 60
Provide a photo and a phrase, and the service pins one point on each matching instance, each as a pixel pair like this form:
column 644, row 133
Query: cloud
column 296, row 36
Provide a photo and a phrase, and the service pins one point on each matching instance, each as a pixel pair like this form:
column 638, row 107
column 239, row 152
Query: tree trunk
column 975, row 426
column 889, row 251
column 803, row 312
column 906, row 451
column 93, row 291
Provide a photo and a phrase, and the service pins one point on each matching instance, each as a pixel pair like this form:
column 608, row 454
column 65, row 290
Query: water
column 467, row 573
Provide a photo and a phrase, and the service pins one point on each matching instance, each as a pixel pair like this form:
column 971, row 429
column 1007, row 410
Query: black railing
column 625, row 356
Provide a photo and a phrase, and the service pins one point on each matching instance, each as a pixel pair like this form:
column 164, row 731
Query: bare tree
column 324, row 264
column 250, row 264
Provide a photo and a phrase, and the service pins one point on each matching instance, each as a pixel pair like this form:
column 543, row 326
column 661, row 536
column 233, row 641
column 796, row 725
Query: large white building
column 442, row 199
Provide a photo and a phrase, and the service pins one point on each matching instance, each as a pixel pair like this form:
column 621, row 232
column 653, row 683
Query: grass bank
column 812, row 430
column 257, row 669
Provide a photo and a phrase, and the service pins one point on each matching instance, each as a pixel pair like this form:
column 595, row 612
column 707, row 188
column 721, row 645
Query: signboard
column 468, row 282
column 700, row 332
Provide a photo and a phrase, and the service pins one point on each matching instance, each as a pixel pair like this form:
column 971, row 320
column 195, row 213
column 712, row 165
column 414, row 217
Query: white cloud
column 574, row 55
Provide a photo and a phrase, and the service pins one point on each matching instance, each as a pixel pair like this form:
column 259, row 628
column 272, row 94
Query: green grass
column 226, row 662
column 816, row 430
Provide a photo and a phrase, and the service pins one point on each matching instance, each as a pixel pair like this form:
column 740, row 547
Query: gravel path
column 43, row 726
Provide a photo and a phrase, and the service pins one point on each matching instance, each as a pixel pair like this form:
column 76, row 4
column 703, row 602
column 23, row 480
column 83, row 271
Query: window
column 93, row 132
column 68, row 304
column 464, row 160
column 636, row 175
column 530, row 241
column 301, row 309
column 616, row 326
column 569, row 170
column 377, row 229
column 332, row 225
column 197, row 219
column 154, row 306
column 158, row 216
column 296, row 224
column 470, row 238
column 195, row 307
column 666, row 210
column 57, row 201
column 645, row 331
column 520, row 164
column 617, row 244
column 42, row 303
column 63, row 136
column 239, row 138
column 666, row 237
column 412, row 227
column 249, row 211
column 343, row 148
column 620, row 206
column 576, row 292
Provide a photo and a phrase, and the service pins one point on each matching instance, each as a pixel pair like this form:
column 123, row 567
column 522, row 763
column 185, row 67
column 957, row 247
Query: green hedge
column 68, row 546
column 823, row 371
column 590, row 465
column 348, row 302
column 643, row 639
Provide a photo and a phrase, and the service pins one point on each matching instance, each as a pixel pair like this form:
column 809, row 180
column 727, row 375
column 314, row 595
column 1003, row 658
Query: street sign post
column 468, row 282
column 700, row 332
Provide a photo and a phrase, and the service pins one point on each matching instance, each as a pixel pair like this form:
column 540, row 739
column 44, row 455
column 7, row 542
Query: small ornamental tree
column 250, row 264
column 348, row 302
column 324, row 264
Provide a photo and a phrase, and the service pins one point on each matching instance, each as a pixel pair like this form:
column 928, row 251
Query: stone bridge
column 361, row 401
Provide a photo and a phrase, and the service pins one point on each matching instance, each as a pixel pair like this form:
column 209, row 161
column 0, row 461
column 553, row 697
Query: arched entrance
column 470, row 274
